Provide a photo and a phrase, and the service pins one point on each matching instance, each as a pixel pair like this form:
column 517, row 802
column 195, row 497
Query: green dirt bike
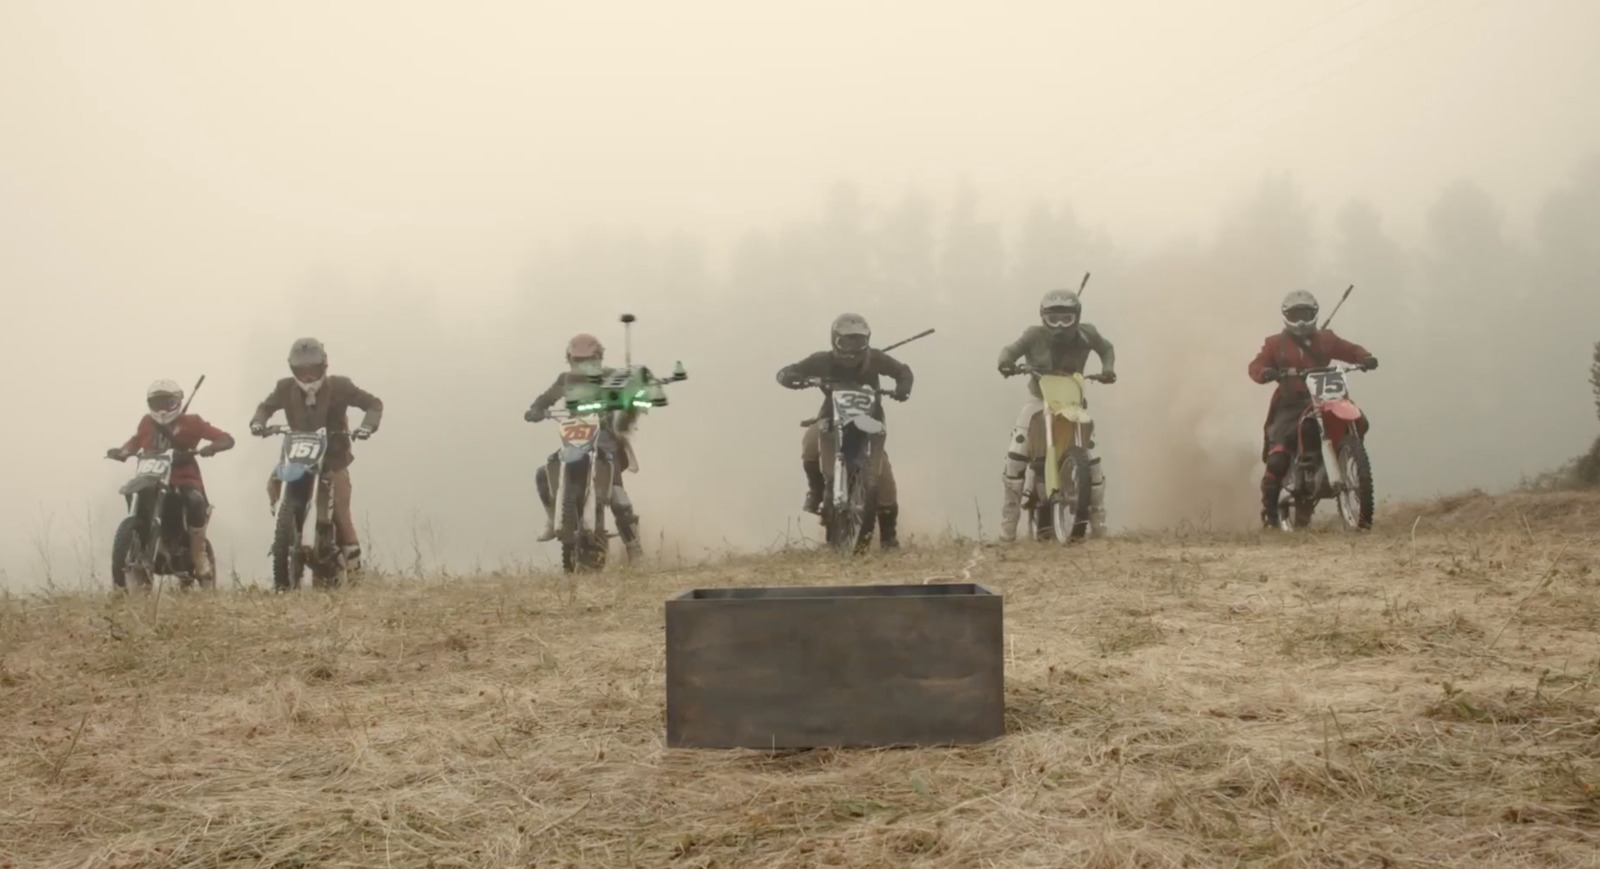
column 1057, row 492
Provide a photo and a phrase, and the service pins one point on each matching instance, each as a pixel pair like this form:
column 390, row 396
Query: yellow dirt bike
column 1057, row 491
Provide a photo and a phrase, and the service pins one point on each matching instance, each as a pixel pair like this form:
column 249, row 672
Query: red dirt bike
column 1330, row 457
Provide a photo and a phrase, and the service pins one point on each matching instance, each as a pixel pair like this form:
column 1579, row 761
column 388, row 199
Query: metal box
column 866, row 665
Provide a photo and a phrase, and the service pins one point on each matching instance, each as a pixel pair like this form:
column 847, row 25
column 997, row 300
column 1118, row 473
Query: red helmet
column 584, row 346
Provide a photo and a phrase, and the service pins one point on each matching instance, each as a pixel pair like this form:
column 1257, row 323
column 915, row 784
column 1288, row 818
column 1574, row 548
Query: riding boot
column 547, row 498
column 887, row 534
column 203, row 568
column 815, row 484
column 1097, row 499
column 352, row 557
column 1270, row 487
column 1010, row 509
column 628, row 530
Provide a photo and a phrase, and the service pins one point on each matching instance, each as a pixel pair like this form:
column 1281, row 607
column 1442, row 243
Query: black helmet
column 850, row 336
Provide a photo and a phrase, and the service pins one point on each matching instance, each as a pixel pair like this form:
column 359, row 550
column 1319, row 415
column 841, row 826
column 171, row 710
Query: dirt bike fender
column 1344, row 409
column 289, row 472
column 137, row 485
column 1073, row 414
column 574, row 453
column 866, row 425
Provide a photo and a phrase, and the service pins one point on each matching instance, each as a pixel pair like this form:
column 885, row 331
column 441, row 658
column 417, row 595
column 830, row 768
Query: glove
column 901, row 393
column 1370, row 363
column 361, row 433
column 116, row 454
column 1269, row 375
column 1108, row 377
column 533, row 414
column 207, row 451
column 258, row 429
column 1007, row 369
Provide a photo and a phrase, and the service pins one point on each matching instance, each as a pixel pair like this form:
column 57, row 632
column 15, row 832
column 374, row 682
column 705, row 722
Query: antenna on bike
column 1338, row 306
column 627, row 339
column 191, row 395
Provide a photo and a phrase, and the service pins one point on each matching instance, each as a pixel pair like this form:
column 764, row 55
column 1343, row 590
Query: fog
column 444, row 194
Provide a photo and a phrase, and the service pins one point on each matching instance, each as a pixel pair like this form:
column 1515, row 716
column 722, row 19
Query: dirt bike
column 1057, row 488
column 305, row 483
column 1336, row 466
column 851, row 434
column 587, row 462
column 153, row 540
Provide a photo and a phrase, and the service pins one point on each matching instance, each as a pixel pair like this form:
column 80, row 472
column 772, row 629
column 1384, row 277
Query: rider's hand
column 1268, row 375
column 901, row 393
column 206, row 451
column 116, row 454
column 259, row 429
column 361, row 433
column 1108, row 377
column 1369, row 363
column 533, row 414
column 1007, row 369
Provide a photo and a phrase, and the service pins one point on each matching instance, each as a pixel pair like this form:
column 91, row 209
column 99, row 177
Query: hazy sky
column 169, row 171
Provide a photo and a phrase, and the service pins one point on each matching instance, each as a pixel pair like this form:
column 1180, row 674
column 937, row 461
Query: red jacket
column 188, row 431
column 1283, row 350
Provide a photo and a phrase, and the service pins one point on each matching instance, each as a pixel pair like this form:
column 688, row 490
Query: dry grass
column 1173, row 700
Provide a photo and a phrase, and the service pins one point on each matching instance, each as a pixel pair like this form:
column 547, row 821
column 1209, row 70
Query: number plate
column 578, row 431
column 155, row 466
column 304, row 450
column 849, row 402
column 1328, row 385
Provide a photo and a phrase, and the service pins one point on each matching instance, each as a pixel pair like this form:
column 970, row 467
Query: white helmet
column 165, row 400
column 1300, row 313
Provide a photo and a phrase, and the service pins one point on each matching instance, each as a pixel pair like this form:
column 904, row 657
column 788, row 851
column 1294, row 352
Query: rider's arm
column 1344, row 351
column 1102, row 348
column 815, row 365
column 270, row 405
column 1016, row 349
column 1265, row 359
column 220, row 440
column 896, row 369
column 549, row 397
column 141, row 435
column 371, row 405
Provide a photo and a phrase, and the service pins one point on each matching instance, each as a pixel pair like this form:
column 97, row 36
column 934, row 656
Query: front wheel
column 1069, row 515
column 1355, row 499
column 581, row 548
column 128, row 555
column 849, row 529
column 287, row 563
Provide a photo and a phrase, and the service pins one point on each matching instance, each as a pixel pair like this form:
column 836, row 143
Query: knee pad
column 1016, row 458
column 1278, row 464
column 195, row 506
column 620, row 502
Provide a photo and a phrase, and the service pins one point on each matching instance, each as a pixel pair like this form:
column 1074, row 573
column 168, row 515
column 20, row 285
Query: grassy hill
column 1426, row 695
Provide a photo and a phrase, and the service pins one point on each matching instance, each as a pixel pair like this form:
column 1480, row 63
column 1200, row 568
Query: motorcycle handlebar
column 1025, row 368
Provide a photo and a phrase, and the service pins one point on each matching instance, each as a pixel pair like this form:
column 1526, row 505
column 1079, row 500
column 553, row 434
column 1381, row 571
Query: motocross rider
column 1059, row 345
column 851, row 360
column 586, row 359
column 1300, row 345
column 311, row 399
column 165, row 425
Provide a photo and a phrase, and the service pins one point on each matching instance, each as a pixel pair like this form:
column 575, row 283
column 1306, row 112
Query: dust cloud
column 444, row 196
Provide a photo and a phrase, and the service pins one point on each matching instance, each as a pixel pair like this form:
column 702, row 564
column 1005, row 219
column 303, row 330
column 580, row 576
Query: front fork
column 1330, row 460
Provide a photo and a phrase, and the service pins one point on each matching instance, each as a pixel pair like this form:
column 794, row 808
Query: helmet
column 165, row 400
column 585, row 348
column 1060, row 310
column 1300, row 312
column 850, row 336
column 308, row 361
